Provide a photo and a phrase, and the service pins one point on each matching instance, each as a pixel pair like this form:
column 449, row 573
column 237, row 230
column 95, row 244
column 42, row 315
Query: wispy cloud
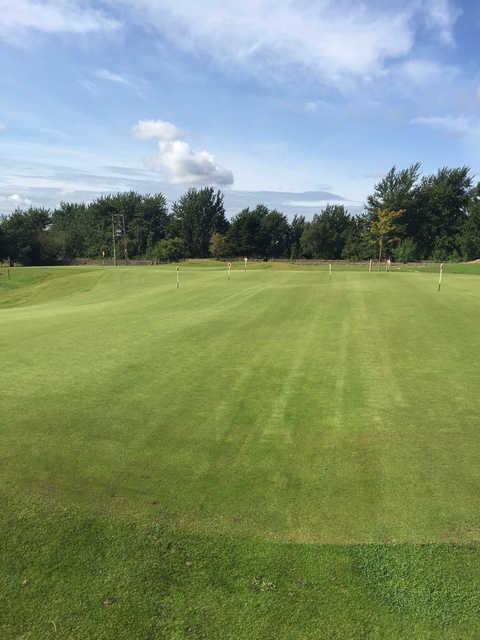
column 110, row 76
column 441, row 16
column 50, row 16
column 334, row 40
column 459, row 126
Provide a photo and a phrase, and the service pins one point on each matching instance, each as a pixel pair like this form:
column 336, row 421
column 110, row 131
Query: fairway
column 317, row 426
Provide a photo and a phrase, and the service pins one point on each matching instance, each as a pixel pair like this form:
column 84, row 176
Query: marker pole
column 178, row 277
column 330, row 270
column 370, row 266
column 440, row 277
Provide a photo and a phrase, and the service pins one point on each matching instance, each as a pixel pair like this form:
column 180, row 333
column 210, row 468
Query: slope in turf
column 280, row 406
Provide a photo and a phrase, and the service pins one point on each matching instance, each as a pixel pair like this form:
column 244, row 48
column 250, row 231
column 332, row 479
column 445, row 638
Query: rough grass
column 284, row 455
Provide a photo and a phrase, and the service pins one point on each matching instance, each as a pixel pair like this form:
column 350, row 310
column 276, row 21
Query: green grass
column 281, row 455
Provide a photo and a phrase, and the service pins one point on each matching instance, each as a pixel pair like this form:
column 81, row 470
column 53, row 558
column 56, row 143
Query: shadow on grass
column 68, row 574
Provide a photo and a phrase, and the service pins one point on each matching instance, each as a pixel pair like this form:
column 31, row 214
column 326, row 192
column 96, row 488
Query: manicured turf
column 281, row 455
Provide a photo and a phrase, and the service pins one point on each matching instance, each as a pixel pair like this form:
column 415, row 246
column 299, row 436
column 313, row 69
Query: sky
column 293, row 103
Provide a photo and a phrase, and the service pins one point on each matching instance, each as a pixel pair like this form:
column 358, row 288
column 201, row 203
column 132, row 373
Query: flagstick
column 440, row 276
column 178, row 276
column 370, row 266
column 229, row 266
column 330, row 270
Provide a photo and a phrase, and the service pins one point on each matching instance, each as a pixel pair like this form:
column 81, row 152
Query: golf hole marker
column 440, row 276
column 178, row 276
column 245, row 261
column 370, row 266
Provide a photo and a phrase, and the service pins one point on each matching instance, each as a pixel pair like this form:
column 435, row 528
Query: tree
column 406, row 251
column 218, row 246
column 359, row 244
column 398, row 189
column 197, row 215
column 384, row 226
column 470, row 234
column 442, row 202
column 245, row 235
column 326, row 235
column 297, row 227
column 168, row 250
column 275, row 234
column 25, row 237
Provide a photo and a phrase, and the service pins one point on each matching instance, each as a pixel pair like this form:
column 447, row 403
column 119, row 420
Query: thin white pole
column 330, row 269
column 370, row 266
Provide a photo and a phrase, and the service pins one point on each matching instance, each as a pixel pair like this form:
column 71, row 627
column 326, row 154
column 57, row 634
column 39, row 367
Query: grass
column 281, row 455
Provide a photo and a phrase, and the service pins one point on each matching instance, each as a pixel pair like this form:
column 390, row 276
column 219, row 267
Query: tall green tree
column 326, row 235
column 297, row 227
column 260, row 233
column 197, row 215
column 442, row 203
column 385, row 228
column 25, row 237
column 245, row 236
column 470, row 234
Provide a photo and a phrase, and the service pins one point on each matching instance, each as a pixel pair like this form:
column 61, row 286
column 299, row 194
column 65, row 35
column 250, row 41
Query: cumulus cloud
column 157, row 129
column 182, row 165
column 336, row 40
column 176, row 160
column 50, row 16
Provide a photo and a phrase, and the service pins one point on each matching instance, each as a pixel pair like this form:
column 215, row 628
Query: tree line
column 409, row 216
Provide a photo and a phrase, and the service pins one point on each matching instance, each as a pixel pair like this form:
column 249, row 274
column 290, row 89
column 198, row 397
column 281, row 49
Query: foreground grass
column 67, row 574
column 284, row 455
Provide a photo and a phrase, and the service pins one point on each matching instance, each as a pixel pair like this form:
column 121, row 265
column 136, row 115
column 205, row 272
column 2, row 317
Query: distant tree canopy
column 440, row 220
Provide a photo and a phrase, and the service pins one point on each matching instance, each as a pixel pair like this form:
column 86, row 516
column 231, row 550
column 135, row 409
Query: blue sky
column 306, row 101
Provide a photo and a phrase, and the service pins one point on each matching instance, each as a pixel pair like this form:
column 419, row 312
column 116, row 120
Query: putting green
column 282, row 404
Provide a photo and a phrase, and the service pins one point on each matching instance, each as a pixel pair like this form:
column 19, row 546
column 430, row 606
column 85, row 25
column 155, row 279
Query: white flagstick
column 178, row 276
column 440, row 276
column 245, row 260
column 330, row 270
column 229, row 266
column 370, row 266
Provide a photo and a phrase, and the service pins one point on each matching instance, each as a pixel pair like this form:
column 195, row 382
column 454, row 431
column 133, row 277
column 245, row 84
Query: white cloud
column 156, row 129
column 110, row 76
column 18, row 200
column 50, row 16
column 335, row 40
column 311, row 106
column 453, row 125
column 440, row 16
column 421, row 71
column 182, row 165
